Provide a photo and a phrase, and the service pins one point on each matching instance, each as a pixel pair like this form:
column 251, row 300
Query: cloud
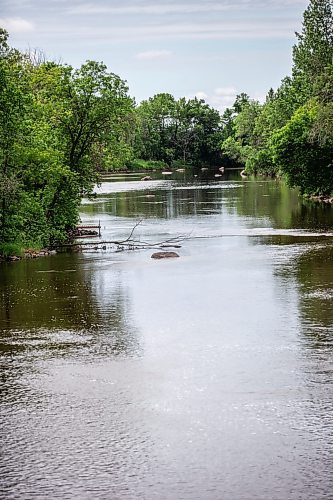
column 152, row 9
column 147, row 8
column 225, row 91
column 223, row 97
column 153, row 55
column 249, row 29
column 220, row 98
column 201, row 95
column 16, row 25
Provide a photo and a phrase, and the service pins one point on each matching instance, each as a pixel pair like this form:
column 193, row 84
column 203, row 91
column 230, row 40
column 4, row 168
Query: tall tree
column 14, row 104
column 314, row 50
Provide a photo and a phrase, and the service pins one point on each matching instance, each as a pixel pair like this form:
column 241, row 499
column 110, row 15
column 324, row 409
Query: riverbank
column 28, row 254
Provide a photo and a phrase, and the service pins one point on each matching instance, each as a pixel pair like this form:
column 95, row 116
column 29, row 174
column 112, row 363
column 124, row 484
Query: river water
column 208, row 376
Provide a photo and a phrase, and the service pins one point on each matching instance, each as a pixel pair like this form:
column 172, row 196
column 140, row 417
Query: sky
column 212, row 49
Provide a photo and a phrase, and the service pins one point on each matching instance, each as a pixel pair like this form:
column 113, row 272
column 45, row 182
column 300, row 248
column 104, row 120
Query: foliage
column 298, row 154
column 314, row 50
column 58, row 128
column 292, row 132
column 170, row 130
column 8, row 249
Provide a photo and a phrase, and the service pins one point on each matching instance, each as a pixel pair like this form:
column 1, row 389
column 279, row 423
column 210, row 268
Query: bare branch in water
column 128, row 243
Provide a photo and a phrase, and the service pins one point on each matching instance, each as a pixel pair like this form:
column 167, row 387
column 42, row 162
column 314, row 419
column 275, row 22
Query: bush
column 9, row 249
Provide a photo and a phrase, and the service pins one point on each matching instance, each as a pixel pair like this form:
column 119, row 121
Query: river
column 208, row 376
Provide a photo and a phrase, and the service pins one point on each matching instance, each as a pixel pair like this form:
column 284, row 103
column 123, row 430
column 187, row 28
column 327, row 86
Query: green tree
column 186, row 130
column 306, row 163
column 14, row 105
column 314, row 50
column 58, row 126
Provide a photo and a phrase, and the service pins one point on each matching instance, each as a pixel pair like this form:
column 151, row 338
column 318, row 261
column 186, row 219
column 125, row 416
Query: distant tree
column 241, row 101
column 186, row 130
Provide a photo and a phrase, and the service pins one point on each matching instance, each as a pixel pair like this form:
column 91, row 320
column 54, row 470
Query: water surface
column 207, row 376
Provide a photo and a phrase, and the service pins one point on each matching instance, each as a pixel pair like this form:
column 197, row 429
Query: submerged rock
column 164, row 255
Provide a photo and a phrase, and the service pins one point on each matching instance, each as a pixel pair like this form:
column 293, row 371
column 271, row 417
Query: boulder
column 164, row 255
column 147, row 178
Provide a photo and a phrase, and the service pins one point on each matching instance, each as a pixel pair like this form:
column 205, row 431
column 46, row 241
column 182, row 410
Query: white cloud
column 220, row 98
column 225, row 91
column 223, row 97
column 201, row 95
column 153, row 55
column 16, row 25
column 152, row 9
column 192, row 7
column 266, row 29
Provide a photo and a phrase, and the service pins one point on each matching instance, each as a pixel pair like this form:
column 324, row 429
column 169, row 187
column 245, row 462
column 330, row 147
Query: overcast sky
column 210, row 48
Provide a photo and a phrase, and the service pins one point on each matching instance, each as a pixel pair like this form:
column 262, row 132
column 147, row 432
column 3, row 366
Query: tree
column 57, row 125
column 14, row 104
column 88, row 109
column 306, row 163
column 154, row 133
column 186, row 130
column 314, row 50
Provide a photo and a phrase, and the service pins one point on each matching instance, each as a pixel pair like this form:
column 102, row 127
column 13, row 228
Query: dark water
column 203, row 377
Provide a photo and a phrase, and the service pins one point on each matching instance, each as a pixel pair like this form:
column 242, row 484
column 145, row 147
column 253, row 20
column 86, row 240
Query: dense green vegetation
column 291, row 134
column 183, row 132
column 60, row 127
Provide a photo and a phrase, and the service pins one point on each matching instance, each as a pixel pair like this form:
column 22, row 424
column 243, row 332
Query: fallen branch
column 127, row 244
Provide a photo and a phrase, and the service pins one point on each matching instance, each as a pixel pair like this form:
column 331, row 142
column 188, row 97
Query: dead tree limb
column 127, row 244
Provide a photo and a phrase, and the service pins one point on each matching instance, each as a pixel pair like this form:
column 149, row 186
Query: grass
column 10, row 249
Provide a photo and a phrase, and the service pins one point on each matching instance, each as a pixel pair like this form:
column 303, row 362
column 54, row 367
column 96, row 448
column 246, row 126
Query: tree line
column 61, row 126
column 291, row 134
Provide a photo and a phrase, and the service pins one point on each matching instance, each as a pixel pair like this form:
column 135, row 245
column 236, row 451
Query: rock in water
column 164, row 255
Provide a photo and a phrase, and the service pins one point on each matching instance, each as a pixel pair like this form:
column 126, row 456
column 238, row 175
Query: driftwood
column 128, row 243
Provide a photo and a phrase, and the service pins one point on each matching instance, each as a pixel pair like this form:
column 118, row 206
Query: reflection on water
column 52, row 305
column 208, row 376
